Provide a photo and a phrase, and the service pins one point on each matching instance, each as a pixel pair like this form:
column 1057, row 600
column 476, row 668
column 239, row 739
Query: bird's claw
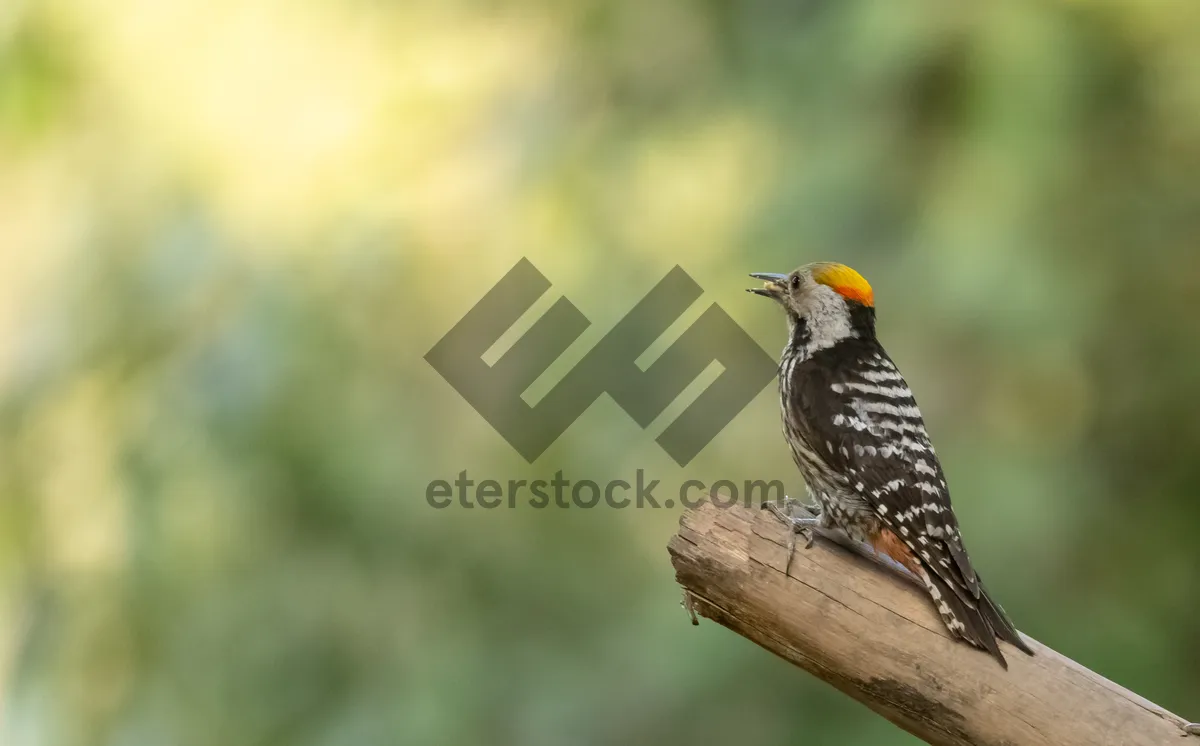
column 787, row 519
column 1192, row 729
column 805, row 526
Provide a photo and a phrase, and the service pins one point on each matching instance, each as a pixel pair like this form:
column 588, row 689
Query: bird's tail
column 1001, row 625
column 976, row 621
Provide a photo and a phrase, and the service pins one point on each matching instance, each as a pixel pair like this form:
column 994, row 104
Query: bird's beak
column 773, row 284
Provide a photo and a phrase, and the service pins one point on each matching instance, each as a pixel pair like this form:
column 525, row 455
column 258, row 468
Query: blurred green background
column 230, row 230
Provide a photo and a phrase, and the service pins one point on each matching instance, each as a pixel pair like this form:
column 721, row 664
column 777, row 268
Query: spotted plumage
column 860, row 442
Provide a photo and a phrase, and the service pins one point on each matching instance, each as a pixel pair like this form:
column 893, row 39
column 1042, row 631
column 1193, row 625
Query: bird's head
column 825, row 300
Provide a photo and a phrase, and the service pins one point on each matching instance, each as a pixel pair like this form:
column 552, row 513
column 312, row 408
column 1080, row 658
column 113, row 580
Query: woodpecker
column 859, row 440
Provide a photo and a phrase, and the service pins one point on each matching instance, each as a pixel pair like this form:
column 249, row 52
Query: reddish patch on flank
column 886, row 542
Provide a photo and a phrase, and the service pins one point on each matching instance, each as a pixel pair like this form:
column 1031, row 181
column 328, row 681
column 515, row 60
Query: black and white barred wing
column 857, row 411
column 874, row 434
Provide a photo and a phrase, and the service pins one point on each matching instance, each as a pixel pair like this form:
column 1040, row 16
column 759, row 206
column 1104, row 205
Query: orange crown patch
column 850, row 284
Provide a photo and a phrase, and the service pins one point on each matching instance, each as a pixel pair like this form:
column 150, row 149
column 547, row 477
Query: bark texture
column 878, row 639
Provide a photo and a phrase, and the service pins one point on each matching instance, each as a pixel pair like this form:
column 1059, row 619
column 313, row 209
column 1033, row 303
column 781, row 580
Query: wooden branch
column 878, row 639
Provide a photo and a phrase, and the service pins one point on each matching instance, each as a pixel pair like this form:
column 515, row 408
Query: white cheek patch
column 828, row 317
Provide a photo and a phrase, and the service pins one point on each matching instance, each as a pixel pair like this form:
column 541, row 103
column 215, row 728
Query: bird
column 860, row 443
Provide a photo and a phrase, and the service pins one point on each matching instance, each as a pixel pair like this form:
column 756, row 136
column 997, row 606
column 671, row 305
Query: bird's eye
column 795, row 282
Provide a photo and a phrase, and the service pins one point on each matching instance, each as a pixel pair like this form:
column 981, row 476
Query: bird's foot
column 784, row 515
column 805, row 525
column 1192, row 729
